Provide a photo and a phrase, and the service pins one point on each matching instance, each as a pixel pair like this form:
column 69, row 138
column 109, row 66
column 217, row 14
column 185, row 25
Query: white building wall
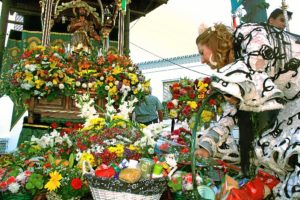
column 159, row 75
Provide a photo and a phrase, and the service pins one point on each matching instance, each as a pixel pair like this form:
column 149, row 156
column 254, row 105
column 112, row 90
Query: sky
column 171, row 29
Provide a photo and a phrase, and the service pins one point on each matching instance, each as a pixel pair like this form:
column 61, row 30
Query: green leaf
column 71, row 160
column 39, row 185
column 51, row 159
column 29, row 186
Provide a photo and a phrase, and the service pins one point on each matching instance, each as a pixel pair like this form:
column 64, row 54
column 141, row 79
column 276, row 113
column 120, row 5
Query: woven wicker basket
column 114, row 189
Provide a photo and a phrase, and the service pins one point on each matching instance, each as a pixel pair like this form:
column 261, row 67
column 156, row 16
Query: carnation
column 14, row 187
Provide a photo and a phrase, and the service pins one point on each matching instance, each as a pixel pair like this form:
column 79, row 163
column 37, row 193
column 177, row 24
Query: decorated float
column 91, row 149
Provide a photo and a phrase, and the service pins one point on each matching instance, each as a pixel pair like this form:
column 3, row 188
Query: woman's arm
column 213, row 137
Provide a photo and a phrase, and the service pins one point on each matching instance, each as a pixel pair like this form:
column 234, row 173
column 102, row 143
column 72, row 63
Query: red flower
column 176, row 132
column 68, row 124
column 170, row 105
column 3, row 185
column 212, row 102
column 185, row 150
column 176, row 96
column 76, row 183
column 192, row 95
column 111, row 58
column 54, row 125
column 186, row 111
column 11, row 180
column 164, row 147
column 207, row 80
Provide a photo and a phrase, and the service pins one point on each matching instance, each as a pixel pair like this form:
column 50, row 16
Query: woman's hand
column 202, row 153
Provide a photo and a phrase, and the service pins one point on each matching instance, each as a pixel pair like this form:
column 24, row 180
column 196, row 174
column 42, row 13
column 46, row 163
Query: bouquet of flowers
column 49, row 72
column 187, row 98
column 118, row 75
column 41, row 72
column 113, row 138
column 45, row 165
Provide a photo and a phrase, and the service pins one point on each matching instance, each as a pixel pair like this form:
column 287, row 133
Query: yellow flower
column 55, row 81
column 113, row 91
column 173, row 113
column 28, row 76
column 39, row 83
column 133, row 148
column 117, row 70
column 206, row 116
column 54, row 181
column 86, row 157
column 192, row 104
column 96, row 123
column 53, row 65
column 118, row 150
column 69, row 80
column 120, row 123
column 135, row 91
column 40, row 47
column 133, row 78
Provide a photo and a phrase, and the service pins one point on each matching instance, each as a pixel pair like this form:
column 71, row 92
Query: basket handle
column 90, row 170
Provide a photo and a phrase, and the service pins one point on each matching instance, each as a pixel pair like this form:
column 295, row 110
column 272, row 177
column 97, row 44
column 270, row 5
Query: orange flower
column 126, row 82
column 109, row 79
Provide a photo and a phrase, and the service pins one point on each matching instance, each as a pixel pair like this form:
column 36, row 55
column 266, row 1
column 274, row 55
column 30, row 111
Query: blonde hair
column 219, row 39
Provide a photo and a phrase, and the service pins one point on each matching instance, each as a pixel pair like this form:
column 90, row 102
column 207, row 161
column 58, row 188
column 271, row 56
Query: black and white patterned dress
column 265, row 77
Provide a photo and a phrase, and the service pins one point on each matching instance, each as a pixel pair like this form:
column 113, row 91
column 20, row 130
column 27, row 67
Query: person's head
column 82, row 11
column 277, row 18
column 215, row 46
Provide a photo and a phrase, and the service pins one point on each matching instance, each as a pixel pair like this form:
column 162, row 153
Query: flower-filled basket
column 108, row 189
column 117, row 155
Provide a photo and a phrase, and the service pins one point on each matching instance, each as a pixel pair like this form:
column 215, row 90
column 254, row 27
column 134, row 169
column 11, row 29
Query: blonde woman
column 257, row 69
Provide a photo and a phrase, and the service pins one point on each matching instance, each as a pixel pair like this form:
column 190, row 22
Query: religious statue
column 82, row 29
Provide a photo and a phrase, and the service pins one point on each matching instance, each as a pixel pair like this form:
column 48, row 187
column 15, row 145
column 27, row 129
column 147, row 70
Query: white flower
column 77, row 83
column 61, row 86
column 90, row 85
column 14, row 187
column 21, row 177
column 26, row 86
column 49, row 84
column 175, row 102
column 107, row 87
column 101, row 78
column 58, row 140
column 84, row 85
column 30, row 67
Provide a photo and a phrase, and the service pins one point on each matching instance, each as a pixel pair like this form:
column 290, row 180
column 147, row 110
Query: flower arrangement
column 45, row 165
column 53, row 163
column 187, row 98
column 178, row 140
column 113, row 138
column 41, row 72
column 49, row 72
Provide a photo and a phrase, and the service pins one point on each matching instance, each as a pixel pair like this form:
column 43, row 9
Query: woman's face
column 278, row 22
column 205, row 55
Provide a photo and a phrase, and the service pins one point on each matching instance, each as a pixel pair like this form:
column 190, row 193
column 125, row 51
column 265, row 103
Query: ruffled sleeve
column 247, row 79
